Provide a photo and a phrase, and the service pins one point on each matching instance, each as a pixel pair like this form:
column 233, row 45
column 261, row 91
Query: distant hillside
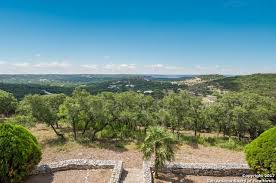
column 20, row 90
column 210, row 77
column 21, row 85
column 264, row 84
column 76, row 79
column 138, row 84
column 62, row 79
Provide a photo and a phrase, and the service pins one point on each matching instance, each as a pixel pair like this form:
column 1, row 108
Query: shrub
column 261, row 153
column 19, row 153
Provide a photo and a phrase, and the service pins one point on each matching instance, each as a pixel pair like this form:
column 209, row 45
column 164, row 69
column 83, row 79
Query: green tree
column 97, row 115
column 42, row 109
column 8, row 103
column 238, row 113
column 195, row 114
column 54, row 101
column 178, row 108
column 73, row 109
column 160, row 144
column 147, row 108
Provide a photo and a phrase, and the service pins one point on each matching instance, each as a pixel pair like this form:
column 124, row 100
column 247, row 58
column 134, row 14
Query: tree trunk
column 195, row 128
column 98, row 130
column 145, row 130
column 74, row 131
column 85, row 127
column 57, row 125
column 58, row 134
column 93, row 136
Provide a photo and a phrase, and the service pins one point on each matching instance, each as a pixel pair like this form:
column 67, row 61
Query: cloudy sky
column 138, row 36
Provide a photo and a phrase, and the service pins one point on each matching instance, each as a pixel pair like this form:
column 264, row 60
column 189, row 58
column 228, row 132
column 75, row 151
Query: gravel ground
column 73, row 176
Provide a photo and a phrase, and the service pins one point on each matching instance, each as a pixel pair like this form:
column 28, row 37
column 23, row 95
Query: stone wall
column 227, row 169
column 200, row 169
column 83, row 164
column 147, row 172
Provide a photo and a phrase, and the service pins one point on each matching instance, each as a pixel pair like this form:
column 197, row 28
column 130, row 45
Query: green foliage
column 211, row 77
column 26, row 121
column 261, row 153
column 128, row 115
column 223, row 142
column 20, row 90
column 160, row 144
column 262, row 84
column 8, row 103
column 239, row 113
column 181, row 111
column 42, row 108
column 176, row 108
column 19, row 153
column 71, row 109
column 22, row 85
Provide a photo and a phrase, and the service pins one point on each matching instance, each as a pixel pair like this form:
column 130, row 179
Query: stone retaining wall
column 83, row 164
column 147, row 172
column 209, row 169
column 200, row 169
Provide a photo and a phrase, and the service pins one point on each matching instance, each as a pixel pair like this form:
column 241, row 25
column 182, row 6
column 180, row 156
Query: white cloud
column 155, row 66
column 24, row 64
column 65, row 67
column 217, row 69
column 89, row 66
column 52, row 65
column 127, row 66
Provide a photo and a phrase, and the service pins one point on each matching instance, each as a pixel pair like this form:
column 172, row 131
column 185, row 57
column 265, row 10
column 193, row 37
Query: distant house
column 130, row 85
column 43, row 80
column 47, row 93
column 112, row 86
column 148, row 92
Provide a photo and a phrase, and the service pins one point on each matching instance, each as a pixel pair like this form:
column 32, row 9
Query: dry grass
column 203, row 154
column 54, row 149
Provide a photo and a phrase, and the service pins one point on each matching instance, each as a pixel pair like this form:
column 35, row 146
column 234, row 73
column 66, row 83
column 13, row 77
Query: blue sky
column 138, row 36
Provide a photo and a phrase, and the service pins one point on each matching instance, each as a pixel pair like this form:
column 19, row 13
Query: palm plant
column 160, row 144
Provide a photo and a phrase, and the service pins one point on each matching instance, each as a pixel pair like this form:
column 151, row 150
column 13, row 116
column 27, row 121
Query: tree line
column 130, row 114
